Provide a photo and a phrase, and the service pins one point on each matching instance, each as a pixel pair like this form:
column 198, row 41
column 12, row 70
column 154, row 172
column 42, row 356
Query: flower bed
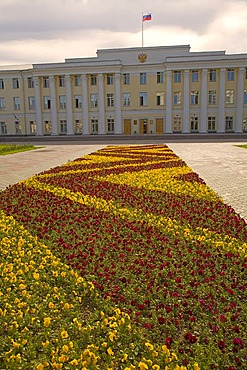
column 155, row 241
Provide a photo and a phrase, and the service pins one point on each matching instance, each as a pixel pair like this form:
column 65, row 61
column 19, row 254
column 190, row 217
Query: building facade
column 127, row 91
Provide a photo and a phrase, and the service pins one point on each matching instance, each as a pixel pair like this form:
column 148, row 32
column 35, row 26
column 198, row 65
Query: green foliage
column 15, row 148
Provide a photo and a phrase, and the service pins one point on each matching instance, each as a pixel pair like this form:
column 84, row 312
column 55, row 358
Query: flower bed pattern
column 156, row 240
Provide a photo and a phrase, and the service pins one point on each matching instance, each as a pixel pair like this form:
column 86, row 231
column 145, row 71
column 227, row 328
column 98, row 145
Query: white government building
column 127, row 91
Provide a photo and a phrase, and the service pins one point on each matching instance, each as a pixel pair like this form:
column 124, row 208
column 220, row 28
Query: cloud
column 44, row 30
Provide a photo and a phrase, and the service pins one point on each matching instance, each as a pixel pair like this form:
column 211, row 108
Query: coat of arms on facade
column 142, row 58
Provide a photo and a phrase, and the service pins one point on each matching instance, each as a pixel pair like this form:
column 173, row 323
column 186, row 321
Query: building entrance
column 143, row 126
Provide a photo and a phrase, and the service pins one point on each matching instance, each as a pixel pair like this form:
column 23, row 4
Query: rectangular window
column 177, row 95
column 47, row 127
column 2, row 104
column 17, row 103
column 194, row 123
column 78, row 126
column 30, row 82
column 194, row 76
column 94, row 126
column 1, row 84
column 212, row 97
column 93, row 100
column 177, row 124
column 63, row 127
column 211, row 123
column 229, row 96
column 245, row 96
column 245, row 124
column 126, row 78
column 110, row 125
column 160, row 77
column 194, row 97
column 18, row 127
column 143, row 98
column 31, row 102
column 143, row 78
column 15, row 82
column 47, row 102
column 62, row 101
column 93, row 80
column 126, row 99
column 212, row 75
column 160, row 98
column 61, row 81
column 177, row 76
column 4, row 129
column 110, row 100
column 33, row 128
column 109, row 79
column 45, row 81
column 229, row 123
column 78, row 101
column 230, row 74
column 77, row 80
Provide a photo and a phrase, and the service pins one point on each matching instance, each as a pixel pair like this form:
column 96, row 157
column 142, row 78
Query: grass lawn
column 242, row 146
column 6, row 149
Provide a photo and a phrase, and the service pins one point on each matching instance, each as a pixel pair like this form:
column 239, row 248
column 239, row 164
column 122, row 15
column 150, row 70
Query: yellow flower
column 196, row 366
column 74, row 362
column 149, row 346
column 65, row 348
column 40, row 367
column 125, row 356
column 36, row 275
column 51, row 305
column 142, row 365
column 47, row 322
column 64, row 334
column 63, row 358
column 15, row 344
column 110, row 351
column 156, row 367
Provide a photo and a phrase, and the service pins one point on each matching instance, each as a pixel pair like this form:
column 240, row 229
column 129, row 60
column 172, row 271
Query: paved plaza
column 223, row 165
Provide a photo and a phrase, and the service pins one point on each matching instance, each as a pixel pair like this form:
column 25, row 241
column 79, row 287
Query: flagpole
column 142, row 29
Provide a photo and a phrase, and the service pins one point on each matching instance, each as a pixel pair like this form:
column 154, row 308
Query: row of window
column 177, row 78
column 160, row 100
column 176, row 125
column 63, row 127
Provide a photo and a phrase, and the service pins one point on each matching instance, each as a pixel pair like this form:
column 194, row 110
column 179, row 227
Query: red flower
column 221, row 344
column 161, row 320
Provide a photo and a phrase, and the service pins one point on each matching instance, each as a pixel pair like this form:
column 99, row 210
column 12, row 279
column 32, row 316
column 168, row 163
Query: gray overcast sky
column 36, row 31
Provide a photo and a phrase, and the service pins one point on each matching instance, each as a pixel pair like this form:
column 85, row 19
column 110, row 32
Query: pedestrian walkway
column 21, row 166
column 223, row 166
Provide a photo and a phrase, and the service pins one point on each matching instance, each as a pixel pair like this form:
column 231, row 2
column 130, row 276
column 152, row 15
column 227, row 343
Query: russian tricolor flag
column 147, row 17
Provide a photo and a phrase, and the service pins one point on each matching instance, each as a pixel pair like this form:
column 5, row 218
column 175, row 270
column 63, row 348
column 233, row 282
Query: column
column 70, row 128
column 186, row 102
column 222, row 97
column 101, row 101
column 38, row 113
column 85, row 121
column 54, row 128
column 118, row 126
column 168, row 128
column 204, row 101
column 240, row 101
